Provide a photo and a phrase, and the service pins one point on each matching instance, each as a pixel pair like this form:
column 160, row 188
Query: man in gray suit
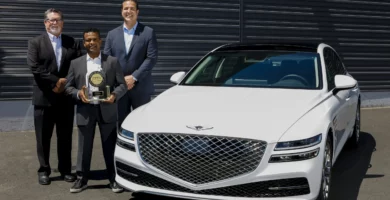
column 84, row 80
column 135, row 46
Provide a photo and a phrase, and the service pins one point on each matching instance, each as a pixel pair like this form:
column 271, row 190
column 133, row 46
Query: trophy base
column 95, row 101
column 97, row 96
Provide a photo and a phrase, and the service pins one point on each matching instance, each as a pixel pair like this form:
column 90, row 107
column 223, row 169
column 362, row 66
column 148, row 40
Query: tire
column 326, row 175
column 353, row 141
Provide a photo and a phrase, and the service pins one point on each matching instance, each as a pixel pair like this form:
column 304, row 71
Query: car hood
column 254, row 113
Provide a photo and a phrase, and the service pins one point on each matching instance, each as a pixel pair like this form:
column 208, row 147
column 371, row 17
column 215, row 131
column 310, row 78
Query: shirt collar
column 52, row 37
column 99, row 57
column 132, row 29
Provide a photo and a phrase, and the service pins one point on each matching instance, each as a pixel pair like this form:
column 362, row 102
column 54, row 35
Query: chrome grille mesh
column 200, row 159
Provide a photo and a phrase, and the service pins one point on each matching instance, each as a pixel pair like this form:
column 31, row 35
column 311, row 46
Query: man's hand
column 110, row 99
column 60, row 86
column 129, row 82
column 82, row 96
column 58, row 90
column 62, row 81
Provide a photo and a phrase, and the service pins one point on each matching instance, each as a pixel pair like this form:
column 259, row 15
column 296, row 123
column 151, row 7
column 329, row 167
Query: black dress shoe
column 68, row 178
column 43, row 179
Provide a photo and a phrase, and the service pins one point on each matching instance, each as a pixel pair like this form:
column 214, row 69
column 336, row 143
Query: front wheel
column 326, row 171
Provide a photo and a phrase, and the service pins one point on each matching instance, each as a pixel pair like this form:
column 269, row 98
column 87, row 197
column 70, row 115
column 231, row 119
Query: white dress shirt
column 56, row 42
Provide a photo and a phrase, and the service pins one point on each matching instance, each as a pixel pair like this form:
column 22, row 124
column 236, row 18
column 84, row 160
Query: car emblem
column 200, row 128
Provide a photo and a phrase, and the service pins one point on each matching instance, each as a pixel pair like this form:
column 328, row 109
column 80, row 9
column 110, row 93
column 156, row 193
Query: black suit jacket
column 42, row 62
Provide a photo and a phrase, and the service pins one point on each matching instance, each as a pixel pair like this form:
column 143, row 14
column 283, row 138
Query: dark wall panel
column 186, row 30
column 359, row 30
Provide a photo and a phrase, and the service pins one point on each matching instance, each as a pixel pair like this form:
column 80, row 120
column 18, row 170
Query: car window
column 334, row 66
column 207, row 70
column 339, row 65
column 278, row 69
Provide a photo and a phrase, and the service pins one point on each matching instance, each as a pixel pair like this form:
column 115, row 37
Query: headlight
column 298, row 144
column 127, row 134
column 294, row 156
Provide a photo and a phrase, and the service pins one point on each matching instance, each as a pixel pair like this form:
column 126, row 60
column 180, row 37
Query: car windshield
column 268, row 69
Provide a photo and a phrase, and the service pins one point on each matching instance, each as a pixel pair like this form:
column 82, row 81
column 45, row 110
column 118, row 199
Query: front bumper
column 284, row 179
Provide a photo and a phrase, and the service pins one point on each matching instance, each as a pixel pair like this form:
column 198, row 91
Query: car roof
column 307, row 47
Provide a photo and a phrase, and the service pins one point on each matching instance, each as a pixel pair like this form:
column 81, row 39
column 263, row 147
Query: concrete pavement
column 362, row 174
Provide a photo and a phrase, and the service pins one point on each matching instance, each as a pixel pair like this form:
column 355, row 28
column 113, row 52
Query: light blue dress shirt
column 56, row 42
column 129, row 34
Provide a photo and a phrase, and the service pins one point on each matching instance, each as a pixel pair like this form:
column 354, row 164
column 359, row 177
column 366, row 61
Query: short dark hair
column 93, row 30
column 135, row 1
column 53, row 10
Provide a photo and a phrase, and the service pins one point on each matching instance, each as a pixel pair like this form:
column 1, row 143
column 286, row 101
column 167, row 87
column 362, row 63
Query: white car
column 248, row 121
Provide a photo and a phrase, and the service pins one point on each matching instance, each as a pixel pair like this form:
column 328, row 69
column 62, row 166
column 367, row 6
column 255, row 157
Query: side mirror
column 177, row 77
column 343, row 82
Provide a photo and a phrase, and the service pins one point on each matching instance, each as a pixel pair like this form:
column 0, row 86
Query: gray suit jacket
column 76, row 80
column 141, row 58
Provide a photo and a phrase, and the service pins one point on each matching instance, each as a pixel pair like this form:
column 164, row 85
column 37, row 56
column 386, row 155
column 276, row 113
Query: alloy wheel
column 357, row 124
column 326, row 171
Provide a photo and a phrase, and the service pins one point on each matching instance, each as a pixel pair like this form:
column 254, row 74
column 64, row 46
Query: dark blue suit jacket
column 141, row 58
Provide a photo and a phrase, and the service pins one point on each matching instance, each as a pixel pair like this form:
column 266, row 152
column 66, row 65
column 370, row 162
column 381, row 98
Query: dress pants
column 45, row 118
column 108, row 136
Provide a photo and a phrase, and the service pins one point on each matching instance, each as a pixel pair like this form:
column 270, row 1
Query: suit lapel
column 64, row 51
column 49, row 46
column 136, row 36
column 121, row 38
column 83, row 70
column 104, row 63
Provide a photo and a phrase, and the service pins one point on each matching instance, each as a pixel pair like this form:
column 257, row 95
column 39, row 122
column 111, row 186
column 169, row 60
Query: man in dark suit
column 85, row 75
column 49, row 57
column 135, row 46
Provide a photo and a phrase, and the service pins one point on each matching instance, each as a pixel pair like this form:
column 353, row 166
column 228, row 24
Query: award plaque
column 97, row 90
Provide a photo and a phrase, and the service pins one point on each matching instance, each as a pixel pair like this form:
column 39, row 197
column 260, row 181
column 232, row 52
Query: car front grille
column 199, row 159
column 273, row 188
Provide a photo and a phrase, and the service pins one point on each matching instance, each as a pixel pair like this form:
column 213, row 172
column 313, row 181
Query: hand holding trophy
column 110, row 99
column 97, row 91
column 82, row 96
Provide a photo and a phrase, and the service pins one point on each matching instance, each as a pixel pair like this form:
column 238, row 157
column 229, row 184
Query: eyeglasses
column 54, row 20
column 132, row 9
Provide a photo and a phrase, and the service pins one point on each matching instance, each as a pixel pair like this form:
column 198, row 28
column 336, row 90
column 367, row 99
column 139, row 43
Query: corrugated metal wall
column 358, row 29
column 186, row 30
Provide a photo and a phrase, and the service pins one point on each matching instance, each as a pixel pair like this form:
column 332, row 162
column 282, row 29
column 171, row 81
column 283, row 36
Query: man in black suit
column 135, row 46
column 88, row 76
column 49, row 57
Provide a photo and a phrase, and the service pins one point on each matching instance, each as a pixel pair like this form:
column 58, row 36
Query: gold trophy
column 97, row 90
